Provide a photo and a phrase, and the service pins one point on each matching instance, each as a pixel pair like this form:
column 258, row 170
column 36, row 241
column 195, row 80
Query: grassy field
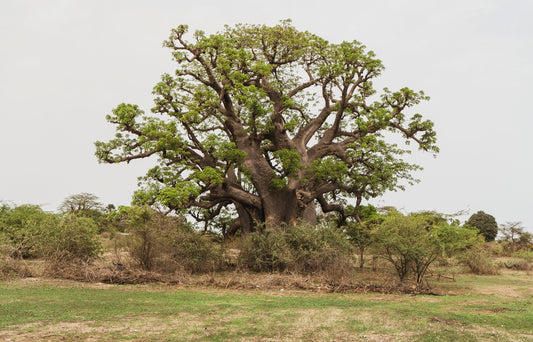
column 475, row 308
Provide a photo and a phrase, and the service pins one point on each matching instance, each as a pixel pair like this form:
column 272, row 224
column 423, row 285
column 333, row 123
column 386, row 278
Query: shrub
column 495, row 248
column 167, row 244
column 412, row 243
column 515, row 264
column 13, row 267
column 301, row 248
column 524, row 254
column 405, row 242
column 20, row 227
column 69, row 238
column 11, row 264
column 265, row 251
column 478, row 260
column 193, row 251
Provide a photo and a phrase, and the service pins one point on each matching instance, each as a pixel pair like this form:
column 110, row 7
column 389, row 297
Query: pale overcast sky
column 65, row 64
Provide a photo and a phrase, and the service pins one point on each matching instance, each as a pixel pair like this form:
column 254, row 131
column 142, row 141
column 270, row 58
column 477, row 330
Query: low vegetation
column 64, row 275
column 138, row 244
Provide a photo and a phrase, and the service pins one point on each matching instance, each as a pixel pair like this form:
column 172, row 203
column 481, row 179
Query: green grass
column 70, row 311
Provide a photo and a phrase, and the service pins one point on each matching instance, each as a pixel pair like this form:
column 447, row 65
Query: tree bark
column 284, row 207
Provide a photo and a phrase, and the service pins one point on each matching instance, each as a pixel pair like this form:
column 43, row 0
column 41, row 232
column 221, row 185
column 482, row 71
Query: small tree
column 360, row 233
column 145, row 240
column 84, row 204
column 514, row 235
column 485, row 223
column 413, row 243
column 401, row 240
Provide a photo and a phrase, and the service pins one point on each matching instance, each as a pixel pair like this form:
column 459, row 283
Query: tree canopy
column 82, row 204
column 263, row 124
column 485, row 223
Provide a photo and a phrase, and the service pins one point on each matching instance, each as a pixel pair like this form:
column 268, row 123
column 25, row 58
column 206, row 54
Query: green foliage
column 478, row 260
column 404, row 240
column 485, row 223
column 413, row 243
column 360, row 234
column 289, row 161
column 301, row 248
column 70, row 237
column 524, row 254
column 453, row 238
column 35, row 233
column 20, row 227
column 86, row 205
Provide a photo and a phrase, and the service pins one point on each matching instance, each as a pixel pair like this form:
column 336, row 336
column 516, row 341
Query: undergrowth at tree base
column 102, row 271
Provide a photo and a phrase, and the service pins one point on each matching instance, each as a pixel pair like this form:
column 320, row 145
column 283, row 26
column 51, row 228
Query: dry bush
column 163, row 244
column 106, row 272
column 526, row 254
column 169, row 249
column 13, row 268
column 72, row 269
column 340, row 269
column 186, row 249
column 515, row 264
column 478, row 260
column 9, row 251
column 11, row 263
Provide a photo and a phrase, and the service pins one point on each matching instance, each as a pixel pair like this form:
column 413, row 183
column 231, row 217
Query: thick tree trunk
column 309, row 214
column 283, row 207
column 247, row 220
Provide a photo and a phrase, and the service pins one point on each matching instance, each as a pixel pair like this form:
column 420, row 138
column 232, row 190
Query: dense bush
column 478, row 260
column 514, row 264
column 412, row 243
column 11, row 264
column 194, row 251
column 28, row 231
column 485, row 223
column 20, row 228
column 524, row 254
column 69, row 237
column 299, row 248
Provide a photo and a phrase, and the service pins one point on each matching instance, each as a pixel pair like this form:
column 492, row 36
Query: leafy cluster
column 485, row 223
column 411, row 243
column 31, row 233
column 301, row 248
